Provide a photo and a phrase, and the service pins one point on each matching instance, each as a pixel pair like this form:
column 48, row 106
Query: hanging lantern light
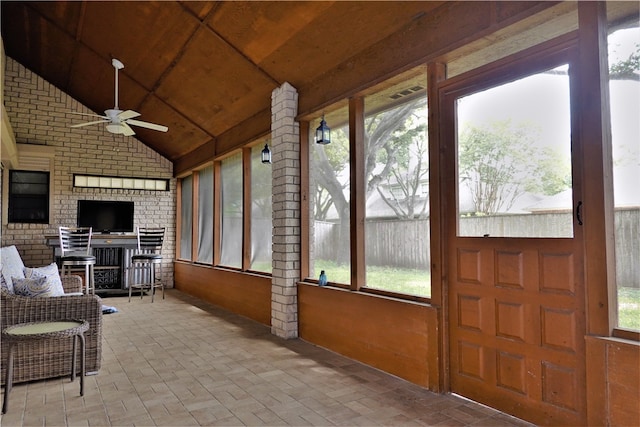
column 323, row 133
column 266, row 154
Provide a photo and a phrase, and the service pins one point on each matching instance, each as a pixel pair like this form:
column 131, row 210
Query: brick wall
column 41, row 114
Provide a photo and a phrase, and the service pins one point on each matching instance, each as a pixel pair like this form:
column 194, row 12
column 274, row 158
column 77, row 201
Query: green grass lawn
column 404, row 281
column 417, row 282
column 629, row 308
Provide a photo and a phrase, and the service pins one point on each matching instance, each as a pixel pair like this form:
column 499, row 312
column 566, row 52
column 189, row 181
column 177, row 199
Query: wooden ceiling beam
column 256, row 127
column 425, row 39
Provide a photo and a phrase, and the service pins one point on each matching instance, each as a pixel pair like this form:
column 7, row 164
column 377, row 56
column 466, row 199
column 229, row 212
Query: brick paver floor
column 183, row 362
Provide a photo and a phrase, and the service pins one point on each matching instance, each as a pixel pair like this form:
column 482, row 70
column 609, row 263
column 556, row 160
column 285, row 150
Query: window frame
column 356, row 120
column 197, row 204
column 616, row 330
column 216, row 163
column 179, row 217
column 249, row 184
column 33, row 157
column 218, row 209
column 13, row 197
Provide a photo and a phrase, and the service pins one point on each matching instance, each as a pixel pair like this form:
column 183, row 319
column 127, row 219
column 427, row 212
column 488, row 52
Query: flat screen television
column 106, row 216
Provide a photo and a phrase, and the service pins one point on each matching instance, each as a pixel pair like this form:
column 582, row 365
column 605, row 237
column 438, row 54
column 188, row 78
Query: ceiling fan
column 119, row 121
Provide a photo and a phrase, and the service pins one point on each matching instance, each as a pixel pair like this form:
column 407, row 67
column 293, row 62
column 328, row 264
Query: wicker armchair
column 52, row 359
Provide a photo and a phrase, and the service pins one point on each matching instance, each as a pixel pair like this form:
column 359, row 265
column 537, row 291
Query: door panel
column 517, row 327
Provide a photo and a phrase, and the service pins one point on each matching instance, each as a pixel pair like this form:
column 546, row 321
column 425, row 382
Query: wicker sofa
column 49, row 359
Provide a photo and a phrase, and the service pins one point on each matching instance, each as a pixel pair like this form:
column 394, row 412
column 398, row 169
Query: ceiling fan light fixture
column 114, row 128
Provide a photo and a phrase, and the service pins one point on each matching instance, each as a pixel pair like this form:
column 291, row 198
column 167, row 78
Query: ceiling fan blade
column 88, row 114
column 148, row 125
column 128, row 114
column 89, row 123
column 126, row 129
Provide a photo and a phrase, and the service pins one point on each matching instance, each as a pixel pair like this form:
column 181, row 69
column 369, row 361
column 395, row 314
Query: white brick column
column 285, row 148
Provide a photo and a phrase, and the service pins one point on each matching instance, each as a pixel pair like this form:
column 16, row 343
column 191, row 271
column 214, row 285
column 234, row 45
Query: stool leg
column 161, row 281
column 131, row 279
column 152, row 279
column 8, row 382
column 92, row 279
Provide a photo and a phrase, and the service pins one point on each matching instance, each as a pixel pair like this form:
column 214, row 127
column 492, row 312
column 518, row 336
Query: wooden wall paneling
column 395, row 337
column 613, row 385
column 436, row 73
column 526, row 30
column 242, row 293
column 195, row 158
column 597, row 167
column 358, row 191
column 597, row 396
column 254, row 127
column 623, row 358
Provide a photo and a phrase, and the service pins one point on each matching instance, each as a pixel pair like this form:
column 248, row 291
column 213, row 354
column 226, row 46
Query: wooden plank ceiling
column 201, row 68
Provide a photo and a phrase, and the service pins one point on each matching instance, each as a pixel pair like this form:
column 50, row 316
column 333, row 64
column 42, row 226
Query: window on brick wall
column 28, row 197
column 29, row 190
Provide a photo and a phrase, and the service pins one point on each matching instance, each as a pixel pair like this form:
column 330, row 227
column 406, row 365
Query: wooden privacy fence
column 405, row 244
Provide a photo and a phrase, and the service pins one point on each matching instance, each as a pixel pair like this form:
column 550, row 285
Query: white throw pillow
column 32, row 287
column 11, row 265
column 52, row 283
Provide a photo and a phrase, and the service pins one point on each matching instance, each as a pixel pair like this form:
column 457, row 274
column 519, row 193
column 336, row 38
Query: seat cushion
column 146, row 258
column 79, row 258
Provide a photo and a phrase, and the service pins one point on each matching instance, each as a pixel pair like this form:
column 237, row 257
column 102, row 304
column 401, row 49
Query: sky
column 543, row 100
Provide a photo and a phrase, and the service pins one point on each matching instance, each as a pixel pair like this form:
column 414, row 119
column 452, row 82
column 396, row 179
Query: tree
column 409, row 175
column 330, row 164
column 500, row 162
column 328, row 167
column 627, row 69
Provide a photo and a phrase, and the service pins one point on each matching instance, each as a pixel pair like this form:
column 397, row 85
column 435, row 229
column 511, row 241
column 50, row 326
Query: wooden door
column 516, row 327
column 515, row 305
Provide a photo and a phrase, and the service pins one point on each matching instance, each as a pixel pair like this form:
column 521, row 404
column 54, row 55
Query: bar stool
column 75, row 245
column 145, row 261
